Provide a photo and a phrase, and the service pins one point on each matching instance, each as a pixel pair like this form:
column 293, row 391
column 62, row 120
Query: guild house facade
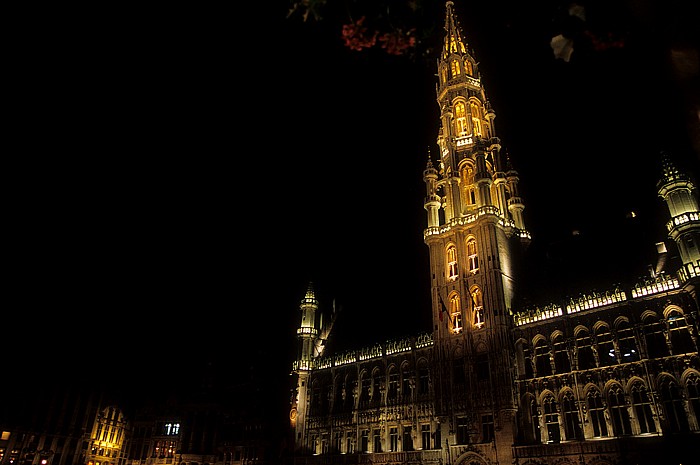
column 609, row 377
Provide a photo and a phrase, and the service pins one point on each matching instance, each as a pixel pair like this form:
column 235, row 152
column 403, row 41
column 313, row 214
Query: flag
column 443, row 308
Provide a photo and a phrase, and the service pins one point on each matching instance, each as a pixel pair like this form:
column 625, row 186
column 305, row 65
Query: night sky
column 184, row 173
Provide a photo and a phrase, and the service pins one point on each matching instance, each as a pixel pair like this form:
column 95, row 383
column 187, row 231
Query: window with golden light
column 460, row 119
column 476, row 118
column 452, row 269
column 455, row 313
column 454, row 67
column 477, row 307
column 472, row 256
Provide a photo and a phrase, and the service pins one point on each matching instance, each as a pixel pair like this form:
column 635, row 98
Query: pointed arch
column 461, row 127
column 679, row 331
column 477, row 304
column 596, row 410
column 691, row 382
column 455, row 309
column 642, row 405
column 570, row 414
column 472, row 256
column 452, row 268
column 617, row 405
column 626, row 340
column 550, row 415
column 671, row 397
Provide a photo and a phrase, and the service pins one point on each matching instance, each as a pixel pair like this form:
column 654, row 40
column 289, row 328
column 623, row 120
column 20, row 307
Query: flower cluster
column 396, row 42
column 355, row 35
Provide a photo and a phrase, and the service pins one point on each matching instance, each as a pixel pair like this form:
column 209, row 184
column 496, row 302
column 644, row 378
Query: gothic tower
column 677, row 191
column 311, row 335
column 475, row 225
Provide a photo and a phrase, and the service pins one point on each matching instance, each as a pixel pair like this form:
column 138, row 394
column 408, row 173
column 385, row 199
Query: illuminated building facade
column 604, row 378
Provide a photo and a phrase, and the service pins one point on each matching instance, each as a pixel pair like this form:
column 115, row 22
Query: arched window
column 572, row 424
column 477, row 307
column 551, row 418
column 654, row 336
column 468, row 67
column 641, row 403
column 596, row 411
column 365, row 388
column 455, row 68
column 456, row 313
column 542, row 362
column 606, row 348
column 406, row 381
column 472, row 256
column 627, row 342
column 460, row 119
column 692, row 385
column 393, row 391
column 670, row 392
column 377, row 387
column 681, row 342
column 476, row 118
column 561, row 354
column 534, row 420
column 452, row 268
column 584, row 350
column 618, row 411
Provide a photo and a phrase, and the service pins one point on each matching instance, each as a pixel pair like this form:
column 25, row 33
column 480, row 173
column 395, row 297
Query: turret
column 680, row 196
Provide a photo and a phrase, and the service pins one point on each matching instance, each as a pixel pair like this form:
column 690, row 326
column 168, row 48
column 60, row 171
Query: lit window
column 452, row 270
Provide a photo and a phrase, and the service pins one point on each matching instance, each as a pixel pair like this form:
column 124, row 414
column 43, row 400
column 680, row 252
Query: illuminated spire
column 453, row 36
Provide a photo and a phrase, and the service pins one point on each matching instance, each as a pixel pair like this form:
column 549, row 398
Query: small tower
column 311, row 336
column 680, row 196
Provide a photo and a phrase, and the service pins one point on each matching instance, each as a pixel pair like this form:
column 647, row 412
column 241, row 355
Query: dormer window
column 455, row 68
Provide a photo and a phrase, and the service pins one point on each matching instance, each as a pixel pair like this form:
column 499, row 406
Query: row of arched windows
column 605, row 344
column 615, row 410
column 396, row 385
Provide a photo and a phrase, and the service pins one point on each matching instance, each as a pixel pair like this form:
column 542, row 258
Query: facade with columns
column 609, row 377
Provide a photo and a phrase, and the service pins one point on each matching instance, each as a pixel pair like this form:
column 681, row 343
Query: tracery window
column 454, row 67
column 572, row 425
column 468, row 67
column 654, row 337
column 692, row 385
column 478, row 307
column 405, row 381
column 393, row 393
column 472, row 256
column 642, row 407
column 672, row 402
column 627, row 342
column 455, row 313
column 596, row 410
column 460, row 119
column 561, row 354
column 584, row 349
column 618, row 411
column 534, row 419
column 476, row 118
column 542, row 360
column 452, row 270
column 681, row 342
column 551, row 418
column 606, row 348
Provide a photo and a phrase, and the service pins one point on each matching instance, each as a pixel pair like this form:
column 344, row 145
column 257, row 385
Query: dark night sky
column 195, row 169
